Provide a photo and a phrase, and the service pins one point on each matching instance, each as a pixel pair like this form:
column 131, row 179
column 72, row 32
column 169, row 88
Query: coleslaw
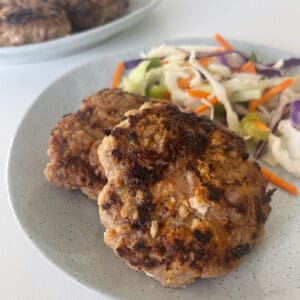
column 257, row 101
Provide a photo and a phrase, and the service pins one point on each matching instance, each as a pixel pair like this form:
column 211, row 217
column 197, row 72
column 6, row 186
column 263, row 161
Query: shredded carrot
column 260, row 125
column 198, row 93
column 204, row 107
column 248, row 67
column 271, row 93
column 276, row 180
column 202, row 94
column 164, row 62
column 204, row 61
column 118, row 74
column 223, row 42
column 252, row 106
column 183, row 83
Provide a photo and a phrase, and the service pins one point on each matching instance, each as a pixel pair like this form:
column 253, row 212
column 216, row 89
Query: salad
column 260, row 102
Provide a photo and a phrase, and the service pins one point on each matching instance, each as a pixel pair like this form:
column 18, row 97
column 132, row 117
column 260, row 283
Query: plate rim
column 15, row 136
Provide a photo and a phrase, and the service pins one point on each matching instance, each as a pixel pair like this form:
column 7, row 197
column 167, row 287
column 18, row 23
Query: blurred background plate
column 77, row 41
column 65, row 226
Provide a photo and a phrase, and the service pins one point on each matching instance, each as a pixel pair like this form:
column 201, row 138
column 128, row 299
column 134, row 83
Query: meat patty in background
column 182, row 199
column 34, row 21
column 75, row 139
column 24, row 24
column 91, row 13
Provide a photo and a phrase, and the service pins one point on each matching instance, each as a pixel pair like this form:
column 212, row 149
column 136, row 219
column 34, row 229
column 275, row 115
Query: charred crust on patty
column 141, row 177
column 192, row 168
column 241, row 250
column 74, row 140
column 117, row 154
column 202, row 236
column 260, row 216
column 106, row 131
column 215, row 193
column 144, row 210
column 113, row 200
column 228, row 225
column 267, row 195
column 140, row 246
column 145, row 262
column 132, row 136
column 205, row 199
column 117, row 132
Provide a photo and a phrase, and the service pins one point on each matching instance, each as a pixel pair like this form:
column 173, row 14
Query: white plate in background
column 76, row 42
column 65, row 226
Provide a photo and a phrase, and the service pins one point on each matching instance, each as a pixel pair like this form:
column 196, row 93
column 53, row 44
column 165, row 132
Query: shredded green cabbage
column 220, row 92
column 248, row 127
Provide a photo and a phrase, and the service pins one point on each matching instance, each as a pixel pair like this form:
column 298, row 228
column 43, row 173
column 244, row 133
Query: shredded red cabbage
column 291, row 62
column 295, row 117
column 267, row 71
column 232, row 63
column 131, row 64
column 263, row 69
column 222, row 59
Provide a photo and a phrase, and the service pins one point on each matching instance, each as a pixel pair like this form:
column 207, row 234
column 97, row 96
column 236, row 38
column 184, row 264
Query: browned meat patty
column 182, row 199
column 74, row 141
column 31, row 23
column 91, row 13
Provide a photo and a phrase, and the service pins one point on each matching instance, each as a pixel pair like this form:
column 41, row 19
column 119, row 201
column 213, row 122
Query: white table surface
column 24, row 272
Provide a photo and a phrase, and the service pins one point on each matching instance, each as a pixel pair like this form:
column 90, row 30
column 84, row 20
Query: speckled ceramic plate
column 78, row 41
column 65, row 226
